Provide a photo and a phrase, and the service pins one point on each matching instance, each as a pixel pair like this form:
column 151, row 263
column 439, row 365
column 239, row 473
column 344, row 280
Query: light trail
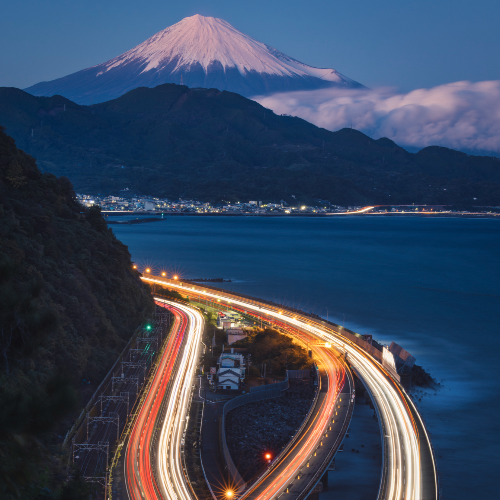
column 301, row 452
column 173, row 380
column 140, row 480
column 283, row 472
column 401, row 473
column 172, row 478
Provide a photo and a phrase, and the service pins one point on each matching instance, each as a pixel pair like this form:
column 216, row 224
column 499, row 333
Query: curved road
column 288, row 468
column 409, row 470
column 170, row 383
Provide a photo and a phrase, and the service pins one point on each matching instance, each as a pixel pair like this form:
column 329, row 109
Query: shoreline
column 343, row 214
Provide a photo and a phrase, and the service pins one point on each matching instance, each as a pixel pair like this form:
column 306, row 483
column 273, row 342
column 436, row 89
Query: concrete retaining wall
column 281, row 385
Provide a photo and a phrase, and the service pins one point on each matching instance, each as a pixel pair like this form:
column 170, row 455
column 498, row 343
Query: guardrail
column 298, row 373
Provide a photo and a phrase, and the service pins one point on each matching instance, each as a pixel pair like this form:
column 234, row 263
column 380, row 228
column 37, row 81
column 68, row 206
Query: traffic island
column 257, row 432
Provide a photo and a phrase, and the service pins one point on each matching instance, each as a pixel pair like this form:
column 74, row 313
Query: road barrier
column 298, row 373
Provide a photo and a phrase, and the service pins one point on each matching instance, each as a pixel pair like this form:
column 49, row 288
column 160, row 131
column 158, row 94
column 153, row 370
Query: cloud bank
column 460, row 115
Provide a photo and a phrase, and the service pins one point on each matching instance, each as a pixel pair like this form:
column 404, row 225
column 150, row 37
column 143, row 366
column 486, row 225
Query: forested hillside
column 69, row 302
column 172, row 141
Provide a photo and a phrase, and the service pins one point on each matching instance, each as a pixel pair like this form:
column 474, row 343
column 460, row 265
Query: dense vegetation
column 167, row 293
column 172, row 141
column 69, row 302
column 279, row 352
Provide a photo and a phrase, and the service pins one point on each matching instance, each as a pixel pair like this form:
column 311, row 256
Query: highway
column 296, row 468
column 165, row 407
column 405, row 441
column 317, row 443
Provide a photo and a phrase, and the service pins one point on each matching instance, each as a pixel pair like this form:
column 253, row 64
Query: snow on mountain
column 199, row 52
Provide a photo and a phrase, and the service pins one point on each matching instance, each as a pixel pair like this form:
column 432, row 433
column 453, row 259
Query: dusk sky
column 407, row 45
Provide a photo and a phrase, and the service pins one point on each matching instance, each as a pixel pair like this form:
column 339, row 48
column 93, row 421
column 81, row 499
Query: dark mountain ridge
column 174, row 141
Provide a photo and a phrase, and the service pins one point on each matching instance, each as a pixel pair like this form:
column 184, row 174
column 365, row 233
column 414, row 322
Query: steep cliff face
column 69, row 301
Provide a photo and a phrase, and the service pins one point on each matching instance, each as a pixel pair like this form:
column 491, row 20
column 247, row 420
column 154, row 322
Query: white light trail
column 170, row 470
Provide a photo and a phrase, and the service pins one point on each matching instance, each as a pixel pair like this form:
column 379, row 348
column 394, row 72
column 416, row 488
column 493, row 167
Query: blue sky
column 398, row 43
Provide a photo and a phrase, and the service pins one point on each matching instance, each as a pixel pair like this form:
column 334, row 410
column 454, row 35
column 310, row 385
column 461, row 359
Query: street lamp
column 229, row 494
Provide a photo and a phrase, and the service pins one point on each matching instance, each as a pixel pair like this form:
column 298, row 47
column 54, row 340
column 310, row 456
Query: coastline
column 326, row 215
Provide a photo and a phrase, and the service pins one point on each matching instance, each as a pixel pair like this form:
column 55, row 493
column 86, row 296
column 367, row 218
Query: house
column 228, row 379
column 231, row 371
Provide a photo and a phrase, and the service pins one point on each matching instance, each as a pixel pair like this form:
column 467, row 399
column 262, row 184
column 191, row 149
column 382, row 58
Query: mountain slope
column 69, row 302
column 173, row 141
column 199, row 52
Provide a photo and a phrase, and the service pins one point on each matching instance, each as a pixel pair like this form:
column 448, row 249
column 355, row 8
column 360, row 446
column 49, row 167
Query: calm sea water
column 432, row 285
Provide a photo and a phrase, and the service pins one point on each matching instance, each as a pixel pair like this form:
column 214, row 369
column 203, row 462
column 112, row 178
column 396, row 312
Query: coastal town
column 144, row 205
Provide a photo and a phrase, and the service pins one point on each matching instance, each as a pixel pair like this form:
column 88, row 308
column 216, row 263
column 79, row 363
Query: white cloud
column 460, row 115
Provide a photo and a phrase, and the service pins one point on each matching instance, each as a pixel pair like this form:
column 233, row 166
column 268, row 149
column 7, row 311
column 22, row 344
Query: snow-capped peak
column 198, row 52
column 206, row 40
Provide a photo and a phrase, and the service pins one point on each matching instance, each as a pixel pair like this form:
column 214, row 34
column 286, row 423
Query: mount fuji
column 198, row 52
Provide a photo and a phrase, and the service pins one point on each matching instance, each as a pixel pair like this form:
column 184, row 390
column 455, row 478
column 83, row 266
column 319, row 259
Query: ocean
column 429, row 284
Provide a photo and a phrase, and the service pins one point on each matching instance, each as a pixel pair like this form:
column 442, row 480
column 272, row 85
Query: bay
column 429, row 284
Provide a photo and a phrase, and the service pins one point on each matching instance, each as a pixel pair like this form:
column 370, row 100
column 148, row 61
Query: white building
column 231, row 370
